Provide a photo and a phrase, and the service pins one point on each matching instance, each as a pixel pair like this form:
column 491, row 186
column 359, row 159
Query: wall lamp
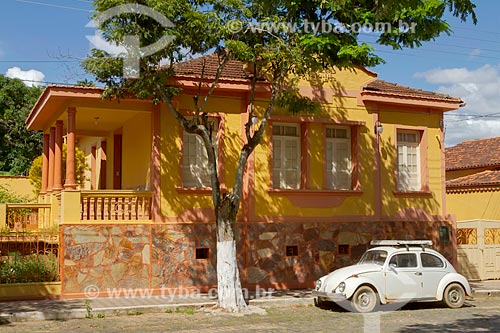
column 379, row 128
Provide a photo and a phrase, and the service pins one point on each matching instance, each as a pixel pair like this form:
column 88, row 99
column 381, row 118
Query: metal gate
column 478, row 245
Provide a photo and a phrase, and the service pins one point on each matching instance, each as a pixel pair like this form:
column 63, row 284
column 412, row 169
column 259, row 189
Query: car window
column 404, row 260
column 430, row 260
column 373, row 257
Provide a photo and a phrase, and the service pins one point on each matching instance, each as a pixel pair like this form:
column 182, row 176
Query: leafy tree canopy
column 203, row 26
column 18, row 145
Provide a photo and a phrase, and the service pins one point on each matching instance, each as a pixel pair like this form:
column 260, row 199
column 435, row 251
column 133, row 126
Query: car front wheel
column 454, row 296
column 364, row 300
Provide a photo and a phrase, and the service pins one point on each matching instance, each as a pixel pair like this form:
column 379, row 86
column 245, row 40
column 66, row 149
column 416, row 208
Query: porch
column 119, row 138
column 76, row 207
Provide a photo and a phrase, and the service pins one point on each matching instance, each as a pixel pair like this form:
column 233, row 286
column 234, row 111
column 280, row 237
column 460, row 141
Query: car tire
column 364, row 300
column 454, row 296
column 318, row 302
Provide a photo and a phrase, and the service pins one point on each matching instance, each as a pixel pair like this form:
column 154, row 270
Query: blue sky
column 45, row 40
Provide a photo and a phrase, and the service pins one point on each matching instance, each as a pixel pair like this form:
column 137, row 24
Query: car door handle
column 418, row 273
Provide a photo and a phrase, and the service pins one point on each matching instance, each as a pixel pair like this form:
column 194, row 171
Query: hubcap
column 454, row 296
column 364, row 300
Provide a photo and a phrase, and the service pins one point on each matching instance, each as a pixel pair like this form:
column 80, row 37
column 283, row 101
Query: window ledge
column 423, row 193
column 315, row 192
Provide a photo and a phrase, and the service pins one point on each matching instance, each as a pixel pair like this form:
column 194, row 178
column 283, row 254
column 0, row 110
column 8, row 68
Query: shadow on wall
column 283, row 252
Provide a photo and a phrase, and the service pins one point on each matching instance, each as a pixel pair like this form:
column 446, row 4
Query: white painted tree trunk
column 230, row 295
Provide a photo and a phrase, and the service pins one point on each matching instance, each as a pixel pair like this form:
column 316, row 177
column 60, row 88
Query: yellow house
column 368, row 166
column 473, row 196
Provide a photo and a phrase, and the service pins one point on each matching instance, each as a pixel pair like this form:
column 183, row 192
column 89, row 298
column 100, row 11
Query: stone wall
column 154, row 256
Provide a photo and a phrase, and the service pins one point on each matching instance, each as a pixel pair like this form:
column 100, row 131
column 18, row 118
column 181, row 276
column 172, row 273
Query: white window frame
column 408, row 180
column 195, row 170
column 282, row 142
column 338, row 177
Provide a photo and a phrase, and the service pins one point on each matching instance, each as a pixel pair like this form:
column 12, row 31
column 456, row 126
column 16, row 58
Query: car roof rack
column 406, row 243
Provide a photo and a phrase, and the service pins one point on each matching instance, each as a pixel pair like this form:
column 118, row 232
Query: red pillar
column 45, row 163
column 52, row 145
column 58, row 156
column 70, row 183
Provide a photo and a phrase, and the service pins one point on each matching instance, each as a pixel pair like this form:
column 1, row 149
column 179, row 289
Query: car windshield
column 373, row 257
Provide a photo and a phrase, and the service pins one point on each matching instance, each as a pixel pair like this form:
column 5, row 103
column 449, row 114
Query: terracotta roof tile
column 473, row 154
column 233, row 70
column 485, row 178
column 395, row 89
column 74, row 87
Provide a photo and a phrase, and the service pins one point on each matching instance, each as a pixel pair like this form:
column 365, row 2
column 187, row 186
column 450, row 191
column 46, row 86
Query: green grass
column 134, row 313
column 181, row 310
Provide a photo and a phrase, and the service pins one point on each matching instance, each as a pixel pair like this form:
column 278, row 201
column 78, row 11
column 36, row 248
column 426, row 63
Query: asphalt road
column 479, row 315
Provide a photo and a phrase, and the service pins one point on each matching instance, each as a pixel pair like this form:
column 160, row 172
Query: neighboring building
column 369, row 166
column 18, row 186
column 473, row 196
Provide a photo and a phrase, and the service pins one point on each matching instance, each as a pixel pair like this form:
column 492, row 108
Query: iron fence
column 27, row 256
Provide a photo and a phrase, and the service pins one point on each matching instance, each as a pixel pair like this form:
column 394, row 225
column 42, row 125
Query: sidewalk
column 488, row 287
column 79, row 308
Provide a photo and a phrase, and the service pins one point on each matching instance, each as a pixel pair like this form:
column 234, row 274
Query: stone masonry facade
column 278, row 255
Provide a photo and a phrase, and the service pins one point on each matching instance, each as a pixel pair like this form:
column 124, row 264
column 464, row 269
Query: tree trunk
column 230, row 294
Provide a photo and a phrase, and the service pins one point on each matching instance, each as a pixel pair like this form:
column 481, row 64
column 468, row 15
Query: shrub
column 30, row 268
column 35, row 174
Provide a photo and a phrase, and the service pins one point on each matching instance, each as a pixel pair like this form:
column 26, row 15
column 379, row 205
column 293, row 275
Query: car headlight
column 341, row 287
column 318, row 284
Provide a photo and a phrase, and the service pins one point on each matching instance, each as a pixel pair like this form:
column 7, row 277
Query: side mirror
column 393, row 266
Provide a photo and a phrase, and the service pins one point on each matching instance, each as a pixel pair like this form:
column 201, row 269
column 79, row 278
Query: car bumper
column 333, row 297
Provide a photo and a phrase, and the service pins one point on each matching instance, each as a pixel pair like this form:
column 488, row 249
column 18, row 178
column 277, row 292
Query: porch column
column 70, row 183
column 52, row 144
column 45, row 163
column 58, row 157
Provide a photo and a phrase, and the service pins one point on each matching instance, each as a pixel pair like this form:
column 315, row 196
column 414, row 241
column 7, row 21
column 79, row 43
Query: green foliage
column 29, row 268
column 18, row 145
column 85, row 83
column 35, row 172
column 276, row 53
column 189, row 311
column 88, row 308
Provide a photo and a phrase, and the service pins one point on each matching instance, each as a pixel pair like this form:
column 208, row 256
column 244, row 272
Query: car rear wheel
column 454, row 296
column 364, row 299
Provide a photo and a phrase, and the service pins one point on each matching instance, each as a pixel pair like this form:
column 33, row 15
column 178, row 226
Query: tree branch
column 249, row 147
column 203, row 132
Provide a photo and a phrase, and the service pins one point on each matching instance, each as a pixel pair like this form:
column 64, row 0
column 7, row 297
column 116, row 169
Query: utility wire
column 53, row 5
column 475, row 117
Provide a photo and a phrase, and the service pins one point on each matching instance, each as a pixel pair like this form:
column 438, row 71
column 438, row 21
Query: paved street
column 480, row 315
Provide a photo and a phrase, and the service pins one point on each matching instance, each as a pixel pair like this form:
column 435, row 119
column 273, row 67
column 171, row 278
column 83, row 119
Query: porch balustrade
column 18, row 217
column 115, row 205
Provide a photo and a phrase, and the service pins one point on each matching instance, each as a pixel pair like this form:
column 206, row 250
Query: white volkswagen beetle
column 394, row 271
